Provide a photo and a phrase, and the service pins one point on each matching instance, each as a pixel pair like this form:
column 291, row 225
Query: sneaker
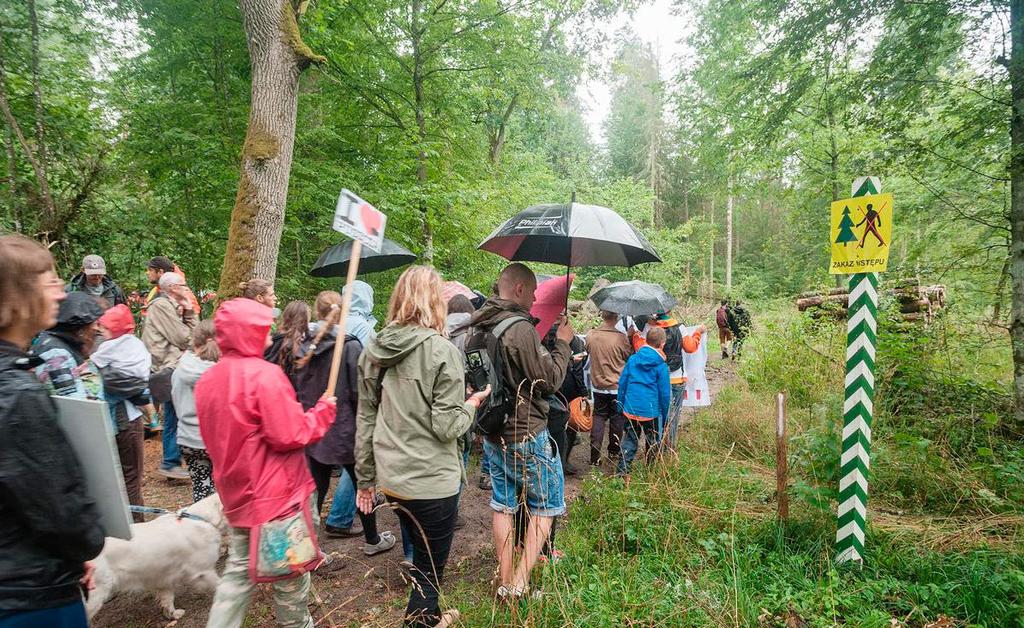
column 569, row 470
column 448, row 618
column 386, row 542
column 508, row 593
column 484, row 483
column 343, row 533
column 725, row 355
column 174, row 473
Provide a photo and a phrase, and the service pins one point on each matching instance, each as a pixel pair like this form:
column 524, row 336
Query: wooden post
column 781, row 465
column 346, row 305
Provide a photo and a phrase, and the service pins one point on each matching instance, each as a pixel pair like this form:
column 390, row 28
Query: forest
column 137, row 128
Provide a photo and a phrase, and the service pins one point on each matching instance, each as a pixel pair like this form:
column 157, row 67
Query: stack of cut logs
column 917, row 302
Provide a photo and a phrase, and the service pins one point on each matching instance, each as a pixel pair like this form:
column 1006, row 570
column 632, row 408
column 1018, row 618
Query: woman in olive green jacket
column 412, row 409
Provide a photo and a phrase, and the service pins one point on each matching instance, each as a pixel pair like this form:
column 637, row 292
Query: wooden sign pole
column 346, row 305
column 781, row 462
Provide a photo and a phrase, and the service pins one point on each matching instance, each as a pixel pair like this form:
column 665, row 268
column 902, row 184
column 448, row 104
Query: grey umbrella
column 634, row 298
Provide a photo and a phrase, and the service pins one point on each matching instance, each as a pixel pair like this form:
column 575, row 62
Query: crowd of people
column 249, row 411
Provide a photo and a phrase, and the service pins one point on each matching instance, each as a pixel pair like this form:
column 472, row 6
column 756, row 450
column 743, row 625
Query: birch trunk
column 278, row 56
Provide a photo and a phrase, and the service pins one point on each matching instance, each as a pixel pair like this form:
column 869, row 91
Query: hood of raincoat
column 118, row 320
column 242, row 327
column 77, row 309
column 361, row 322
column 395, row 342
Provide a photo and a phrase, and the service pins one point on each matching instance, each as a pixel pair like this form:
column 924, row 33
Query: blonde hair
column 204, row 341
column 416, row 300
column 328, row 309
column 21, row 262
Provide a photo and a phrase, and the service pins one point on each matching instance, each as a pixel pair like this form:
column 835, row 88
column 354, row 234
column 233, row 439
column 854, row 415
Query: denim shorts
column 528, row 471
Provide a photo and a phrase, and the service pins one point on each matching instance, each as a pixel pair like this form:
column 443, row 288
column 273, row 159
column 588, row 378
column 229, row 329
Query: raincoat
column 253, row 426
column 360, row 321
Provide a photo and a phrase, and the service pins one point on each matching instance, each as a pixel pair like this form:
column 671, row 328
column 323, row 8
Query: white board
column 697, row 392
column 88, row 427
column 359, row 220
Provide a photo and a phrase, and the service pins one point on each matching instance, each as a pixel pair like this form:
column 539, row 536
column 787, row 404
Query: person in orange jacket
column 675, row 344
column 157, row 267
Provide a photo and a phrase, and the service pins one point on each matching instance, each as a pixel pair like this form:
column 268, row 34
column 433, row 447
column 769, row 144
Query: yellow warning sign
column 861, row 234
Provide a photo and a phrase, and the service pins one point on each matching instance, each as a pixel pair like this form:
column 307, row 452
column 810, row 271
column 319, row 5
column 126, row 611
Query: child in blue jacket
column 645, row 394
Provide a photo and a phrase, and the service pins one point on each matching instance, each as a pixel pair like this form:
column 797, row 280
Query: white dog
column 164, row 553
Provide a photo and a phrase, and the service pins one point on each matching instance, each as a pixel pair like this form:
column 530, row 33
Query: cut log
column 920, row 305
column 820, row 300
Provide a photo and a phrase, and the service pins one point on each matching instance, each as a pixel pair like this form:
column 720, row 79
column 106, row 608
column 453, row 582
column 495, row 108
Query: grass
column 694, row 541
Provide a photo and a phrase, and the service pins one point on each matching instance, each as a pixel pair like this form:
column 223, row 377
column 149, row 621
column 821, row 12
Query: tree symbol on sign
column 846, row 234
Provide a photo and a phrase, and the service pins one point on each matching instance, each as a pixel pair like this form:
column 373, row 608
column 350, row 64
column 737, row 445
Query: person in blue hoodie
column 645, row 394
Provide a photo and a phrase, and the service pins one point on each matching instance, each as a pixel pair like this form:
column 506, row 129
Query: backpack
column 485, row 365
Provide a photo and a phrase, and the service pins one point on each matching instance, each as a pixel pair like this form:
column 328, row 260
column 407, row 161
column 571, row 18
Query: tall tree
column 278, row 56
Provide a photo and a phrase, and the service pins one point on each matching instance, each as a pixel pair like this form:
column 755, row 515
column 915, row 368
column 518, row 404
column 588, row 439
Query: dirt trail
column 363, row 589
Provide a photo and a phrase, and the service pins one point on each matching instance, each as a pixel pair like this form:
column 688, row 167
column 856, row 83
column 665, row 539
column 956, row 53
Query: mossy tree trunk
column 278, row 56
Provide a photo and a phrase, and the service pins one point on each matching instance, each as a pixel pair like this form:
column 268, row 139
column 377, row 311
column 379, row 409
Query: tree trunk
column 12, row 180
column 421, row 129
column 1016, row 71
column 997, row 302
column 711, row 262
column 37, row 91
column 833, row 166
column 498, row 137
column 277, row 55
column 728, row 239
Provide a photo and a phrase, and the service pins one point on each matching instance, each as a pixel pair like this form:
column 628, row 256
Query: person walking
column 255, row 433
column 609, row 349
column 739, row 323
column 93, row 280
column 170, row 318
column 522, row 461
column 337, row 447
column 412, row 410
column 202, row 355
column 645, row 394
column 49, row 525
column 724, row 333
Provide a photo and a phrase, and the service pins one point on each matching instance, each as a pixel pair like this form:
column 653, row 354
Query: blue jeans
column 631, row 442
column 69, row 616
column 172, row 456
column 343, row 506
column 675, row 411
column 532, row 468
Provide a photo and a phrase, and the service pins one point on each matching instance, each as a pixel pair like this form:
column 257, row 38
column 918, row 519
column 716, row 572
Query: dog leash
column 180, row 514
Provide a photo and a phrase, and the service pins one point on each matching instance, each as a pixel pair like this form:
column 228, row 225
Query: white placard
column 88, row 428
column 359, row 220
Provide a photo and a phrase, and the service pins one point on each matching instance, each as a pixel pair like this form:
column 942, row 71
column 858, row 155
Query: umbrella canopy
column 634, row 298
column 452, row 288
column 550, row 302
column 334, row 261
column 570, row 234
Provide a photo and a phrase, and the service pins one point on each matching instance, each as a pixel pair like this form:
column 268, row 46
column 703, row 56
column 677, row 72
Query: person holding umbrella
column 521, row 458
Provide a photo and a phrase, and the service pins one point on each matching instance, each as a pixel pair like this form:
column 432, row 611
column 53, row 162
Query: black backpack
column 485, row 364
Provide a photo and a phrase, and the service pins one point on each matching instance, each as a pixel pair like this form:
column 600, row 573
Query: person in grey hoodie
column 360, row 322
column 203, row 354
column 460, row 310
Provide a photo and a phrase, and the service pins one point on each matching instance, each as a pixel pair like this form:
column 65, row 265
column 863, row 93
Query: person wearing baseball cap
column 93, row 280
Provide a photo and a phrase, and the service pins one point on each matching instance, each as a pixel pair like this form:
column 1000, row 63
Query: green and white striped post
column 861, row 342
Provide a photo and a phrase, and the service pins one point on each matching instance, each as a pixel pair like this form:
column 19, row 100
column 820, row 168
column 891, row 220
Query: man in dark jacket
column 49, row 526
column 522, row 459
column 739, row 323
column 93, row 280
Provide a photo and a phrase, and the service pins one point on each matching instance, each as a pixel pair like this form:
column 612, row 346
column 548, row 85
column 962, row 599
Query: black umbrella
column 334, row 261
column 634, row 298
column 571, row 234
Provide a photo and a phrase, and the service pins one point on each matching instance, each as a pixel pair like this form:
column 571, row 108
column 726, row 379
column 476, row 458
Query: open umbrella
column 550, row 302
column 633, row 298
column 334, row 261
column 570, row 234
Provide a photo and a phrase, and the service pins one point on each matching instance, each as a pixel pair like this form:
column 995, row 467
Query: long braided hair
column 294, row 322
column 328, row 309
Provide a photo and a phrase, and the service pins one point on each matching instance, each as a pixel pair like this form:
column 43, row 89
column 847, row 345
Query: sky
column 655, row 24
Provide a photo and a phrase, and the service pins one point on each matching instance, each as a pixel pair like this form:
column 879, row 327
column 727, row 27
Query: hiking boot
column 386, row 542
column 484, row 483
column 343, row 533
column 569, row 470
column 725, row 354
column 174, row 473
column 460, row 522
column 448, row 618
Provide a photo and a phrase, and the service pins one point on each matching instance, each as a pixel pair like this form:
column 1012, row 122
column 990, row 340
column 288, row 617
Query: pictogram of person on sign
column 872, row 220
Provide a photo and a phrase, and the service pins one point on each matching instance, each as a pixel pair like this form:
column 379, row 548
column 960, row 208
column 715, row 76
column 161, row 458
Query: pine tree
column 846, row 233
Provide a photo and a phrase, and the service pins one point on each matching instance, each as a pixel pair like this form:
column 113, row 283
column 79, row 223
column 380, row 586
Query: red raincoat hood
column 242, row 327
